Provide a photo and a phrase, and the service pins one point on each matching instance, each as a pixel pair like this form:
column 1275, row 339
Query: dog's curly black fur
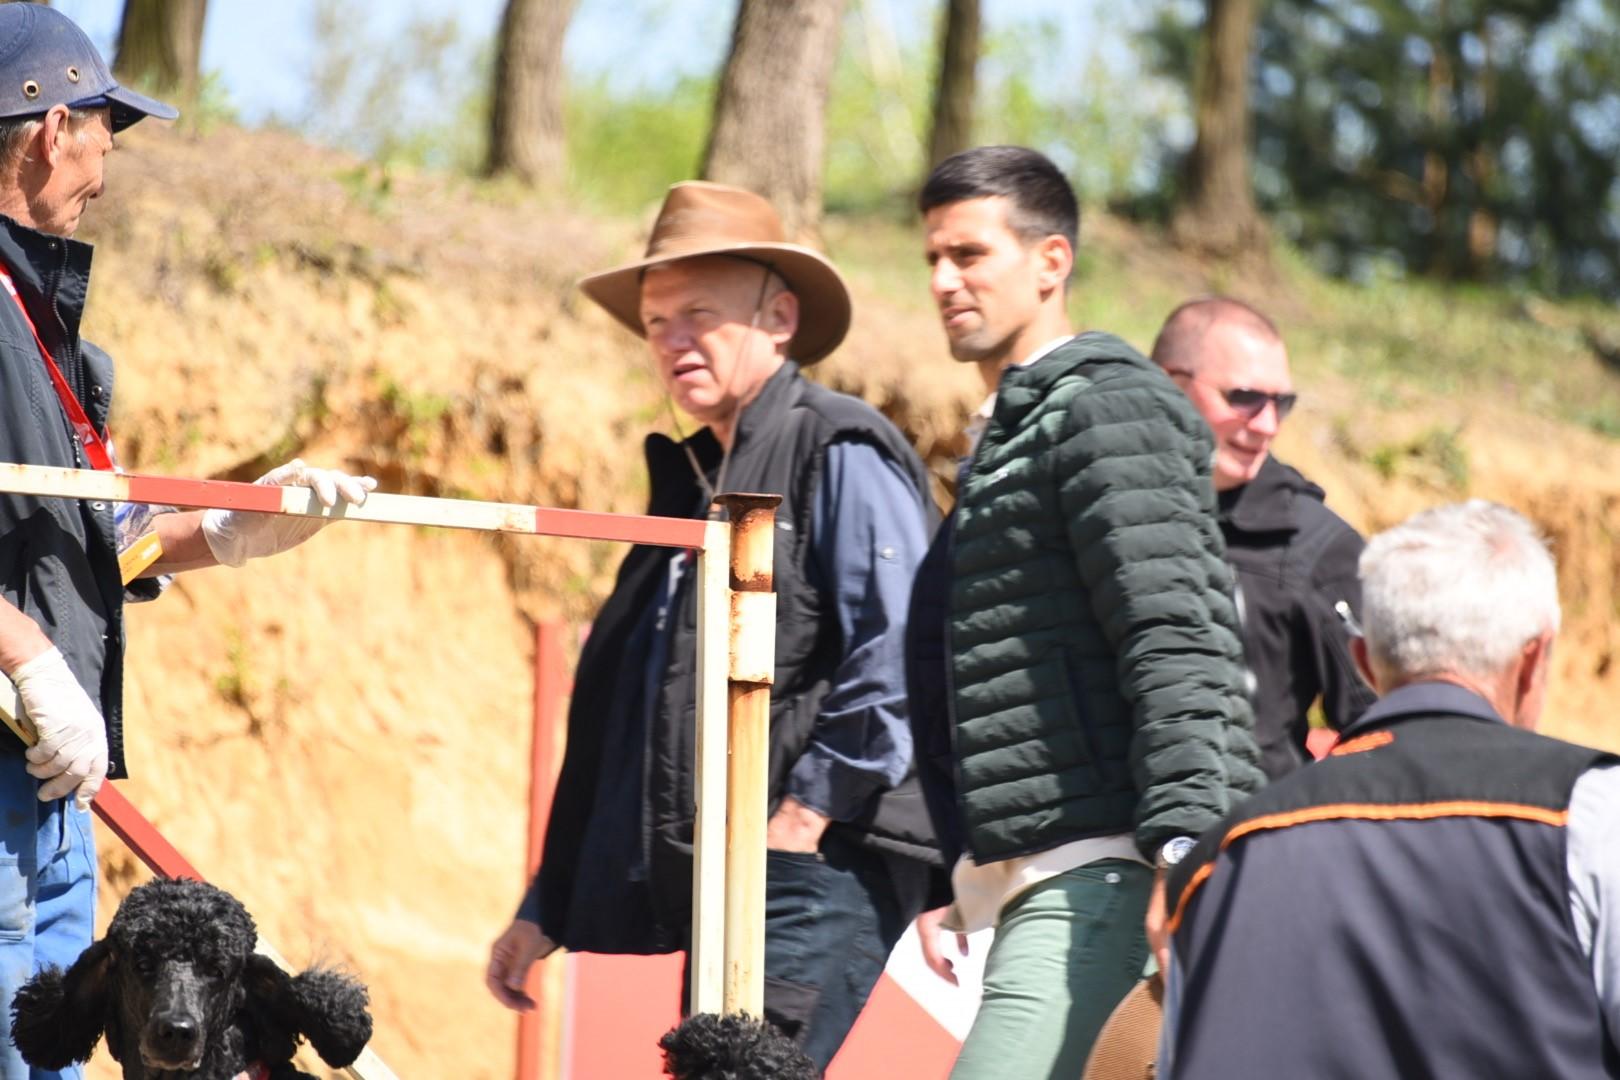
column 179, row 992
column 708, row 1046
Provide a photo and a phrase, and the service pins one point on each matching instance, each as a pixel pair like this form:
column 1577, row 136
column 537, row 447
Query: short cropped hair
column 1179, row 345
column 1459, row 588
column 16, row 131
column 1041, row 202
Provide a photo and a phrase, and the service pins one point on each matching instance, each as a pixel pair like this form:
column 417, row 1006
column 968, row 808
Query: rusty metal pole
column 748, row 701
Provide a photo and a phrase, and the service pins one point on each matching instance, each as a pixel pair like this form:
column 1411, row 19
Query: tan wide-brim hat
column 700, row 218
column 1127, row 1048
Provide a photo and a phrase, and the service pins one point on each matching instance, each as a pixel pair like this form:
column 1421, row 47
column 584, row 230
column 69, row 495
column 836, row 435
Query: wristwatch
column 1173, row 851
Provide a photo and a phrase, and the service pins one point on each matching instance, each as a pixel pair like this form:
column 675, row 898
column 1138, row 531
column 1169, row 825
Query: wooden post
column 709, row 831
column 748, row 699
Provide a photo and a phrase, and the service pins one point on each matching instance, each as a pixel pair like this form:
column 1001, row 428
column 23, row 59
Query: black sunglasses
column 1251, row 403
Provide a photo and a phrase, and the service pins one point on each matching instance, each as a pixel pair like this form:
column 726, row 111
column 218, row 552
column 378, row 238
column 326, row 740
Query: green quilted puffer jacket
column 1097, row 668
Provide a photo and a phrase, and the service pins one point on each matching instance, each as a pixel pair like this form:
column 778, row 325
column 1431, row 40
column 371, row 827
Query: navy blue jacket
column 1398, row 910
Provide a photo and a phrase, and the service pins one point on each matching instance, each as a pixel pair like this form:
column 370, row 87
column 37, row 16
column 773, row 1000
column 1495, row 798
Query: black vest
column 59, row 557
column 780, row 447
column 1400, row 909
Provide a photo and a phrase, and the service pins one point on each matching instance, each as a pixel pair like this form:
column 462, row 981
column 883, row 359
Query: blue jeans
column 831, row 919
column 47, row 895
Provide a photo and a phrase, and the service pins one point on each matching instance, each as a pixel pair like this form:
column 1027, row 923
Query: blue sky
column 262, row 49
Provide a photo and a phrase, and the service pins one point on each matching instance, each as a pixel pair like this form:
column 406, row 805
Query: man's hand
column 235, row 536
column 928, row 934
column 1157, row 923
column 510, row 959
column 795, row 827
column 71, row 755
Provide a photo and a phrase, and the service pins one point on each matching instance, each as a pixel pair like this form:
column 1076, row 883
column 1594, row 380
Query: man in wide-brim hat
column 730, row 312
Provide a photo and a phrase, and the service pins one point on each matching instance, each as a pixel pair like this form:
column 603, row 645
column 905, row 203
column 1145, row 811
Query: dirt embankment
column 339, row 736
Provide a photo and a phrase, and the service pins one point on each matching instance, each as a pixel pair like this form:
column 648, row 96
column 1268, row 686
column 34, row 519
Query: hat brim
column 128, row 107
column 824, row 304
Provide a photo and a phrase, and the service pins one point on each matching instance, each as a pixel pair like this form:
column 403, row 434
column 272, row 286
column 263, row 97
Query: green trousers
column 1065, row 953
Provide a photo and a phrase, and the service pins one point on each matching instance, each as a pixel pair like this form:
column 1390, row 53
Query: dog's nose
column 173, row 1035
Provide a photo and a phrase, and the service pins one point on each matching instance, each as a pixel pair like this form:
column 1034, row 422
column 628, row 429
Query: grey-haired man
column 1438, row 897
column 62, row 589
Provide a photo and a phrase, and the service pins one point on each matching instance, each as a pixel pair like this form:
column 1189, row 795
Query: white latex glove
column 235, row 536
column 72, row 750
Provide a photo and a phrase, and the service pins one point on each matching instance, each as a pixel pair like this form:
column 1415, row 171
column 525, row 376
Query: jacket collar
column 46, row 268
column 1266, row 503
column 1426, row 698
column 1021, row 389
column 674, row 489
column 765, row 412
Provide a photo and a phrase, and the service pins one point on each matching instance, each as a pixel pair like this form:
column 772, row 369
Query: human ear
column 55, row 134
column 1529, row 690
column 1363, row 661
column 782, row 317
column 1054, row 258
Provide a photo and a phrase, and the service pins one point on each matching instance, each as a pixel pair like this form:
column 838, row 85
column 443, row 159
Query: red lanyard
column 94, row 448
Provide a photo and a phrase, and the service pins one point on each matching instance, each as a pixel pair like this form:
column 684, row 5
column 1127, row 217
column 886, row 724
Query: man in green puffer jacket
column 1094, row 684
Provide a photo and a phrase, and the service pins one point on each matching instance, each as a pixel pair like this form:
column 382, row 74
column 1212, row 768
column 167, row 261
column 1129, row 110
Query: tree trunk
column 769, row 115
column 1218, row 215
column 526, row 114
column 958, row 70
column 160, row 46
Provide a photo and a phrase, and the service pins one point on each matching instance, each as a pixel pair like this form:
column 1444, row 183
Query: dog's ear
column 324, row 1006
column 56, row 1018
column 333, row 1013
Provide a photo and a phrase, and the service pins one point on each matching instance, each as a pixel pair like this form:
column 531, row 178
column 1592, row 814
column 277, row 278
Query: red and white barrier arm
column 379, row 506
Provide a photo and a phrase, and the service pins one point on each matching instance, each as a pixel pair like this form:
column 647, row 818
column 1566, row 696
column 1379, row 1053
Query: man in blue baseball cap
column 66, row 566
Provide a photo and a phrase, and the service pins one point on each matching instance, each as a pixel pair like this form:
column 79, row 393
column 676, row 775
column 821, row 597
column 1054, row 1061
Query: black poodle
column 708, row 1046
column 181, row 995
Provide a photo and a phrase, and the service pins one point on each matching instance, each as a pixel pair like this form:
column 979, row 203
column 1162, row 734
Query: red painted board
column 894, row 1037
column 589, row 525
column 141, row 835
column 224, row 494
column 621, row 1005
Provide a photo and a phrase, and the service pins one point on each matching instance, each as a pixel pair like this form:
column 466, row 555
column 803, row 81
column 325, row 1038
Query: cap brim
column 824, row 304
column 128, row 107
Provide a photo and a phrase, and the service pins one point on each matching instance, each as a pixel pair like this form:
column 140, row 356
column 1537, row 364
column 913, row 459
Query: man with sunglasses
column 1295, row 558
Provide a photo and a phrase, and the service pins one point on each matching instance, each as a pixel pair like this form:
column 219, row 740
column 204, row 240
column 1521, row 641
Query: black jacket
column 780, row 446
column 1295, row 560
column 58, row 557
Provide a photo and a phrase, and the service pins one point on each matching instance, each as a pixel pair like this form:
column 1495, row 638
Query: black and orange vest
column 1400, row 909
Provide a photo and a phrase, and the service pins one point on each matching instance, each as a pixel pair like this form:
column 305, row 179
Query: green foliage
column 1462, row 139
column 625, row 148
column 1436, row 457
column 1032, row 91
column 385, row 97
column 1100, row 115
column 878, row 114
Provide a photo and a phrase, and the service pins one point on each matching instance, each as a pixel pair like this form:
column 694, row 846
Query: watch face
column 1176, row 850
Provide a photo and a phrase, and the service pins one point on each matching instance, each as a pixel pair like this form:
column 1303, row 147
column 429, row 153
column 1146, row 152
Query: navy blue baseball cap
column 46, row 60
